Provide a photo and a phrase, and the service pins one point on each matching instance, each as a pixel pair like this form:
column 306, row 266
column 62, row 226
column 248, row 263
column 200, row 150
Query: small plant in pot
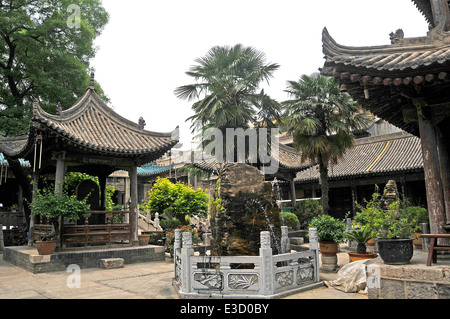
column 361, row 237
column 56, row 207
column 330, row 233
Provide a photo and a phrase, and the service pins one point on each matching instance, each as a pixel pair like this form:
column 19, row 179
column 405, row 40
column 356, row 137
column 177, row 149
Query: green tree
column 44, row 55
column 227, row 89
column 322, row 121
column 179, row 198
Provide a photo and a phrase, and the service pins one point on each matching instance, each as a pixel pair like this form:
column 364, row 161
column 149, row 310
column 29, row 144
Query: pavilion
column 88, row 137
column 407, row 83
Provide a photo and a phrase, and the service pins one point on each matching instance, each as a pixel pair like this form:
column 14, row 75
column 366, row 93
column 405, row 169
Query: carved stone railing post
column 156, row 221
column 176, row 250
column 186, row 252
column 349, row 229
column 314, row 246
column 285, row 245
column 266, row 268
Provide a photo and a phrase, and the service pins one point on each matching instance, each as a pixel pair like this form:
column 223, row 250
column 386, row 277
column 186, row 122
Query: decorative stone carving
column 141, row 123
column 265, row 239
column 390, row 194
column 242, row 281
column 397, row 36
column 210, row 281
column 305, row 274
column 284, row 279
column 187, row 239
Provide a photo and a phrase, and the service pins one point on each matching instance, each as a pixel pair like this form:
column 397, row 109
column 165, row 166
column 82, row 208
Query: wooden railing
column 110, row 234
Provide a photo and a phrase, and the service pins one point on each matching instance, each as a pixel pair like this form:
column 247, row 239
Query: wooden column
column 444, row 164
column 433, row 184
column 33, row 218
column 134, row 204
column 59, row 175
column 102, row 182
column 293, row 195
column 59, row 180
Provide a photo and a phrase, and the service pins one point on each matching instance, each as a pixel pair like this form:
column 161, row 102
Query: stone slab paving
column 150, row 280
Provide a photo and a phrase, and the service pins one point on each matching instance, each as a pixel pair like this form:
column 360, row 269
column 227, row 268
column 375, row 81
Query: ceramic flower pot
column 328, row 248
column 46, row 247
column 143, row 240
column 354, row 256
column 396, row 251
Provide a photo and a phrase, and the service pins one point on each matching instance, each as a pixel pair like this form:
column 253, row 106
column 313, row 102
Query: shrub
column 288, row 219
column 53, row 206
column 306, row 210
column 329, row 228
column 179, row 198
column 169, row 223
column 416, row 214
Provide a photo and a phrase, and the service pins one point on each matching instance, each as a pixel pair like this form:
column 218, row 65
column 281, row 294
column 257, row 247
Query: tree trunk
column 324, row 187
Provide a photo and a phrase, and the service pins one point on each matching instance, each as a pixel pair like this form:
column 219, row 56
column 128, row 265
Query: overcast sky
column 147, row 46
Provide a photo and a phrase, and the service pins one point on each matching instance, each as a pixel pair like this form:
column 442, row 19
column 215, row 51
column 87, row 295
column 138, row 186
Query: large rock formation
column 248, row 206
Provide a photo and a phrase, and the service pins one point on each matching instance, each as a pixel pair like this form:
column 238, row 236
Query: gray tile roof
column 93, row 126
column 387, row 154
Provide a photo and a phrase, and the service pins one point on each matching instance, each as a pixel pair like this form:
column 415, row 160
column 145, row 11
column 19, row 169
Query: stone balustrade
column 263, row 276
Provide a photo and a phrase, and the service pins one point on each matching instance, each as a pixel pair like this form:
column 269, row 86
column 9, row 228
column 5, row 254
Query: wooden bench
column 434, row 247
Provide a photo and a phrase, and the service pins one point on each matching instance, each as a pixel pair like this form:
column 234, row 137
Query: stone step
column 297, row 240
column 111, row 263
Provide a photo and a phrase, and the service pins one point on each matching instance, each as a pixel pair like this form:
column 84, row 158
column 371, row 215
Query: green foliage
column 368, row 213
column 51, row 206
column 179, row 198
column 43, row 57
column 110, row 190
column 416, row 214
column 395, row 223
column 306, row 210
column 72, row 179
column 170, row 223
column 227, row 90
column 361, row 236
column 322, row 120
column 329, row 228
column 288, row 219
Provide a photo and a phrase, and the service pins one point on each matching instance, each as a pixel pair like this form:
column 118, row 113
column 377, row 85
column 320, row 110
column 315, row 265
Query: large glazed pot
column 396, row 251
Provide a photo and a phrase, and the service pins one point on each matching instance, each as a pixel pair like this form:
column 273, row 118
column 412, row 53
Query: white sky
column 147, row 46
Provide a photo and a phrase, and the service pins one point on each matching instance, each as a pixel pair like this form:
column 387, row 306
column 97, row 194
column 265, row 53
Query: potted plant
column 330, row 232
column 56, row 207
column 143, row 239
column 361, row 237
column 394, row 229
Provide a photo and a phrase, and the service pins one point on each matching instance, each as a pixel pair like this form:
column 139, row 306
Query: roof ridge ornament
column 397, row 36
column 59, row 109
column 92, row 81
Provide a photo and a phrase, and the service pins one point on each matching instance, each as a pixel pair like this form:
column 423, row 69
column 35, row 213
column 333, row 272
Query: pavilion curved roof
column 385, row 78
column 93, row 127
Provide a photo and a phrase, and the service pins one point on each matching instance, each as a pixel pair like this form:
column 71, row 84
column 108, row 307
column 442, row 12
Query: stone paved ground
column 150, row 280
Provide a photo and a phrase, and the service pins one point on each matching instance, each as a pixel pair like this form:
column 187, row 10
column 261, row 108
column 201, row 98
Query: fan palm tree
column 322, row 121
column 227, row 89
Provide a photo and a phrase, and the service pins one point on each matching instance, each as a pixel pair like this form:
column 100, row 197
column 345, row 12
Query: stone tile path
column 152, row 280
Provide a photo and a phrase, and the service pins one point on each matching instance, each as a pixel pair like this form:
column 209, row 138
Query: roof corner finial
column 92, row 80
column 35, row 106
column 141, row 123
column 59, row 109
